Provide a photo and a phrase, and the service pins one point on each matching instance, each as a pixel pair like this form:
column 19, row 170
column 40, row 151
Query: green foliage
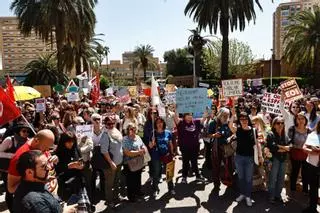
column 144, row 59
column 303, row 40
column 104, row 83
column 43, row 71
column 178, row 62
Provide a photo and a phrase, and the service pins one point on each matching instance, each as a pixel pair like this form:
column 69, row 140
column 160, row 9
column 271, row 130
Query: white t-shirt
column 313, row 139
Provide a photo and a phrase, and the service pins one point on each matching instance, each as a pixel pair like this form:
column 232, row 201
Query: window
column 284, row 22
column 284, row 12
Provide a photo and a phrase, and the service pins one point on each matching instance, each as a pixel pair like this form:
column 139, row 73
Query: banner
column 271, row 102
column 123, row 96
column 84, row 130
column 40, row 105
column 191, row 100
column 232, row 88
column 170, row 171
column 291, row 90
column 170, row 98
column 8, row 109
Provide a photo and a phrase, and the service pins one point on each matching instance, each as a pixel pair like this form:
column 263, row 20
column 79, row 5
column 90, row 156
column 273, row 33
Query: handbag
column 255, row 148
column 230, row 147
column 146, row 156
column 136, row 163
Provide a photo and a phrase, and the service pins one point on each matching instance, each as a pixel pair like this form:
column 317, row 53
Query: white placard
column 40, row 105
column 232, row 88
column 73, row 96
column 271, row 102
column 84, row 130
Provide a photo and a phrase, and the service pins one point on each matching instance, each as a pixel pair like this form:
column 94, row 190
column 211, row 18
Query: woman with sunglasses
column 161, row 153
column 244, row 159
column 133, row 147
column 278, row 144
column 113, row 153
column 294, row 109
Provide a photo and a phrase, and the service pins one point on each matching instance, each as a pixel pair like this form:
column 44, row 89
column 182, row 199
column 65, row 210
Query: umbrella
column 24, row 93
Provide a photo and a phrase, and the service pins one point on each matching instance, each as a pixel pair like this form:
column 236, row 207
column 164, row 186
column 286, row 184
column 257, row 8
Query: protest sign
column 201, row 84
column 161, row 110
column 84, row 130
column 191, row 100
column 170, row 171
column 45, row 90
column 109, row 91
column 232, row 88
column 132, row 91
column 170, row 98
column 170, row 87
column 291, row 90
column 40, row 105
column 271, row 102
column 73, row 96
column 123, row 95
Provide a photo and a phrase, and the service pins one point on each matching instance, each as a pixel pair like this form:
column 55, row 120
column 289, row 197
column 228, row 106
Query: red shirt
column 13, row 162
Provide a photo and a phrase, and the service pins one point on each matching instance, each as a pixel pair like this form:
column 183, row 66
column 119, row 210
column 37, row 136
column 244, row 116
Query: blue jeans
column 244, row 166
column 276, row 179
column 157, row 171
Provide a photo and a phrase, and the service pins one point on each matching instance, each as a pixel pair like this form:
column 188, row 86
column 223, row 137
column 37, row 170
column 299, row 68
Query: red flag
column 10, row 89
column 8, row 110
column 147, row 92
column 95, row 91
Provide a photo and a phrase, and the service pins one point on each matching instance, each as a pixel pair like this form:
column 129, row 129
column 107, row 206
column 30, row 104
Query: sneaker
column 184, row 180
column 240, row 198
column 248, row 201
column 172, row 192
column 200, row 178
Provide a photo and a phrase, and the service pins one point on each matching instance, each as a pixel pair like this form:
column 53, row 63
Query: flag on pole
column 8, row 110
column 82, row 76
column 95, row 89
column 155, row 98
column 10, row 89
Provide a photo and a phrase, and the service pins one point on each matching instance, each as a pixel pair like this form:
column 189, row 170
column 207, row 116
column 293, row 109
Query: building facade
column 281, row 21
column 16, row 50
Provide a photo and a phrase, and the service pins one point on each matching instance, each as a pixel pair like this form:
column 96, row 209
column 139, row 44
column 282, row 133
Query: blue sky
column 162, row 24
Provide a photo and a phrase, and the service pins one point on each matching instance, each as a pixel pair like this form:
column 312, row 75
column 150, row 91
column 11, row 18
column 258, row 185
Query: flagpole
column 31, row 127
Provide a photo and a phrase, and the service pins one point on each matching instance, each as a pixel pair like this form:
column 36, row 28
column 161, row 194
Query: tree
column 43, row 71
column 303, row 40
column 178, row 62
column 144, row 56
column 68, row 21
column 240, row 58
column 227, row 14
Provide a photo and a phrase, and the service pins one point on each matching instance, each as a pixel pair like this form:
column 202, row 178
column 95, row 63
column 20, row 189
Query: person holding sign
column 189, row 131
column 161, row 150
column 312, row 147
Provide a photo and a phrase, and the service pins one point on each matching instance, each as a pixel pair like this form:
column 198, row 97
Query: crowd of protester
column 46, row 164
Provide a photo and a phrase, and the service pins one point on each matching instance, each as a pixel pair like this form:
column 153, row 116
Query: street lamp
column 194, row 68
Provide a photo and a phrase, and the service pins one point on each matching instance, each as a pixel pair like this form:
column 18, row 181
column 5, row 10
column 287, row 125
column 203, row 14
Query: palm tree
column 144, row 56
column 227, row 14
column 43, row 71
column 303, row 40
column 68, row 21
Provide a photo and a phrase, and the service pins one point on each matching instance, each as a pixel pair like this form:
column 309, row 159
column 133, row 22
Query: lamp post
column 271, row 67
column 193, row 68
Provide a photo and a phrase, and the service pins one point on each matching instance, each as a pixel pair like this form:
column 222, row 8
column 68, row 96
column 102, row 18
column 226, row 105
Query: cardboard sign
column 45, row 90
column 40, row 105
column 291, row 90
column 170, row 171
column 232, row 88
column 109, row 91
column 271, row 102
column 161, row 110
column 84, row 130
column 171, row 88
column 132, row 91
column 73, row 96
column 191, row 100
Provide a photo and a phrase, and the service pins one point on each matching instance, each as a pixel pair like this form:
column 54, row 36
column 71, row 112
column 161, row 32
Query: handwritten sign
column 73, row 96
column 191, row 100
column 232, row 88
column 40, row 105
column 291, row 90
column 132, row 91
column 170, row 98
column 170, row 171
column 271, row 102
column 84, row 130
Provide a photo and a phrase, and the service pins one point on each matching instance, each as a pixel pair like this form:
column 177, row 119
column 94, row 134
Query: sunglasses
column 56, row 118
column 278, row 123
column 243, row 119
column 96, row 119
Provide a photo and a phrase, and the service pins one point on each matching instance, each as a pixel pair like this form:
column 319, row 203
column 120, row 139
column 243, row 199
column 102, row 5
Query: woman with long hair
column 278, row 143
column 161, row 153
column 288, row 115
column 311, row 114
column 312, row 147
column 129, row 117
column 244, row 159
column 298, row 135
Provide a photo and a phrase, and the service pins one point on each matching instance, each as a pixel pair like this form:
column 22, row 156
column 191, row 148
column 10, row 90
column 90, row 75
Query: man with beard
column 32, row 194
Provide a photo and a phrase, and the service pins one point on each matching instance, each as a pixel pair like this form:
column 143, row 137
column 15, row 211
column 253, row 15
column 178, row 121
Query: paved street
column 197, row 197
